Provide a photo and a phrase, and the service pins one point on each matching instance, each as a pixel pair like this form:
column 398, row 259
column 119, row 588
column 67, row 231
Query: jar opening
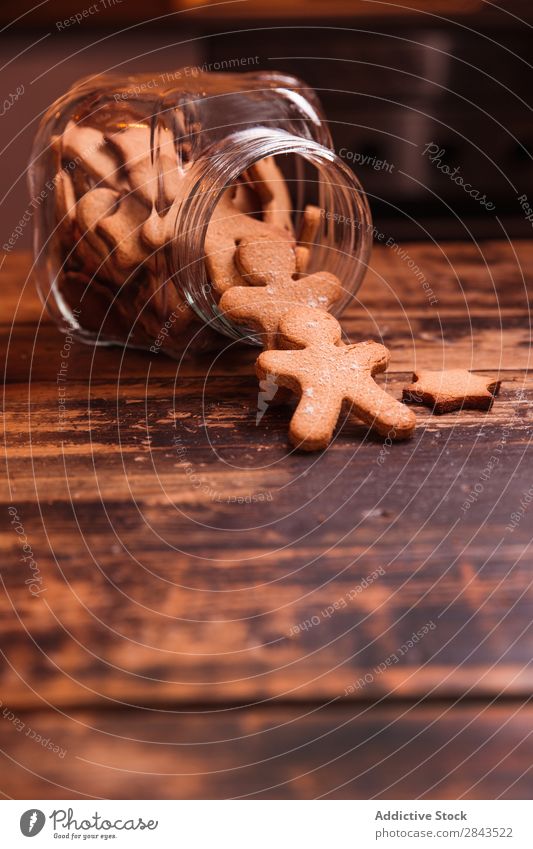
column 313, row 175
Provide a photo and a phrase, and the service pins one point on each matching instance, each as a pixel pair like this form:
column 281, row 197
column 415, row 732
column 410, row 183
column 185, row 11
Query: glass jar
column 127, row 172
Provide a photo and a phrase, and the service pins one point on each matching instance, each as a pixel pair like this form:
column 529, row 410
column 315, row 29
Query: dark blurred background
column 393, row 78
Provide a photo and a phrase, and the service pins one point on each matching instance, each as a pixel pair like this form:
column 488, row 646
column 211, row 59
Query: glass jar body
column 127, row 174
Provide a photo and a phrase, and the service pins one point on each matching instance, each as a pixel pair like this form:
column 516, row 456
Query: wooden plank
column 159, row 595
column 500, row 341
column 181, row 547
column 150, row 442
column 430, row 752
column 464, row 276
column 481, row 318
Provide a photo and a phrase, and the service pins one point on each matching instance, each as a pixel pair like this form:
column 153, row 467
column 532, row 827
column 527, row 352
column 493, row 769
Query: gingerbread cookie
column 268, row 265
column 65, row 206
column 228, row 226
column 308, row 235
column 246, row 200
column 121, row 231
column 94, row 206
column 158, row 229
column 453, row 389
column 87, row 148
column 267, row 179
column 171, row 173
column 82, row 181
column 326, row 374
column 145, row 164
column 134, row 149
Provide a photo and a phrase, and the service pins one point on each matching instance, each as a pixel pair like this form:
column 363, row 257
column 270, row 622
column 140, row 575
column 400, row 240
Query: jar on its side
column 127, row 173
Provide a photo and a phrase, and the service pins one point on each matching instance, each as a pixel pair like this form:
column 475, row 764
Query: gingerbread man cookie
column 93, row 251
column 246, row 199
column 121, row 232
column 307, row 237
column 158, row 229
column 65, row 204
column 146, row 162
column 87, row 147
column 452, row 389
column 228, row 226
column 326, row 374
column 268, row 265
column 266, row 178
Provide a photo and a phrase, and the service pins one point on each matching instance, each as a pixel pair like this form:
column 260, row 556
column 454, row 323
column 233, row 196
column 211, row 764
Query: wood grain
column 440, row 751
column 186, row 557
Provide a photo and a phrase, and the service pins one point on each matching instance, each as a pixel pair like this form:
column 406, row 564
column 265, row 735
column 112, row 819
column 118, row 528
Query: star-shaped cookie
column 453, row 389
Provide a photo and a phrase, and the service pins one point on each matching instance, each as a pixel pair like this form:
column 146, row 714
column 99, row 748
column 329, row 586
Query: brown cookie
column 158, row 229
column 268, row 265
column 246, row 200
column 228, row 226
column 133, row 146
column 87, row 148
column 267, row 179
column 146, row 164
column 326, row 374
column 65, row 207
column 121, row 231
column 170, row 171
column 308, row 235
column 94, row 206
column 81, row 180
column 453, row 389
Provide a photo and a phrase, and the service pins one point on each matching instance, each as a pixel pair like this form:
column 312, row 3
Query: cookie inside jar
column 119, row 181
column 151, row 182
column 117, row 185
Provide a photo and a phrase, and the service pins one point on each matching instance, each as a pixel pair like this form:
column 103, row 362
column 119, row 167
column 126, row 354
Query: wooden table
column 216, row 617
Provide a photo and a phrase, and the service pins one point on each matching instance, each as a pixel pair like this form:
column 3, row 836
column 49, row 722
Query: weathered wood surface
column 440, row 751
column 427, row 752
column 186, row 556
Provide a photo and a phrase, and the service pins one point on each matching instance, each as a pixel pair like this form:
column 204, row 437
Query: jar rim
column 219, row 169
